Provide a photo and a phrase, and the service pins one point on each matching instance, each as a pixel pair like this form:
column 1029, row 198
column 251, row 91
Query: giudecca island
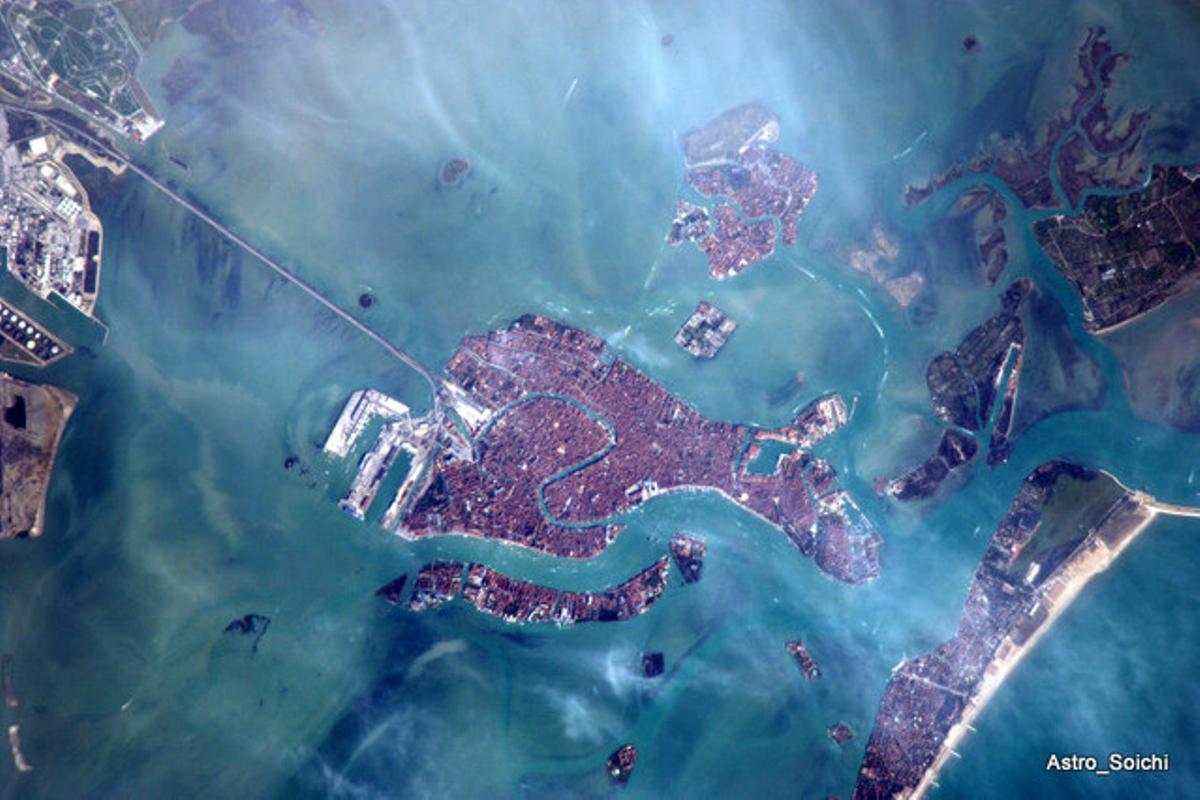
column 519, row 601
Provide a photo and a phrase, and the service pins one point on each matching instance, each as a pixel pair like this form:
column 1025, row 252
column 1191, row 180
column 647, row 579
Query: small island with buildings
column 453, row 172
column 840, row 732
column 705, row 332
column 808, row 667
column 688, row 553
column 620, row 763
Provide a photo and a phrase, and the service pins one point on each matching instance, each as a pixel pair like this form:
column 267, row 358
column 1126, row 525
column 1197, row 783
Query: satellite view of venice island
column 633, row 400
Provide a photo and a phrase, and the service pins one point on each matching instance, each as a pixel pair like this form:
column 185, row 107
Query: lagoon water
column 170, row 513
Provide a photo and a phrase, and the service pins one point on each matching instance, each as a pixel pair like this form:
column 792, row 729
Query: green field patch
column 1074, row 508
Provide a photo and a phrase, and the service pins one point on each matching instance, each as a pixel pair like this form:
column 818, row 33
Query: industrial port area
column 51, row 239
column 25, row 341
column 51, row 245
column 400, row 433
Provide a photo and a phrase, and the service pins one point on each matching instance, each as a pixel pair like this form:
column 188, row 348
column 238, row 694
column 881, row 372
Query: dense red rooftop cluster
column 635, row 441
column 736, row 244
column 761, row 189
column 763, row 183
column 520, row 601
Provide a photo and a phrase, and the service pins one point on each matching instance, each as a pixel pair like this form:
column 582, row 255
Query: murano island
column 760, row 192
column 543, row 437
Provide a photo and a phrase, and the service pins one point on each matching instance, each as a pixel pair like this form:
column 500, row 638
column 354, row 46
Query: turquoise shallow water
column 170, row 512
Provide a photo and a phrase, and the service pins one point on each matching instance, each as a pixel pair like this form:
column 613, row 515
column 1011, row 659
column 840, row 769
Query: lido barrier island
column 1067, row 524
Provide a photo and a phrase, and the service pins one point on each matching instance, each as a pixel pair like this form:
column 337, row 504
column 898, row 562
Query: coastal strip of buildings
column 518, row 601
column 1066, row 525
